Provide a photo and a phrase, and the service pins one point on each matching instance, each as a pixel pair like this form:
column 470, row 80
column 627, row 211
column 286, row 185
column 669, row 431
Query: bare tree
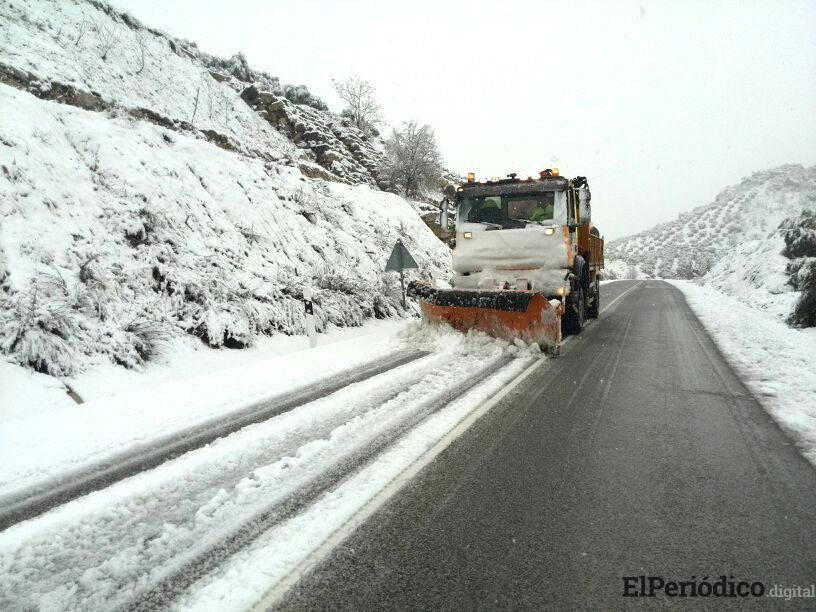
column 361, row 104
column 81, row 30
column 142, row 44
column 195, row 108
column 108, row 38
column 412, row 159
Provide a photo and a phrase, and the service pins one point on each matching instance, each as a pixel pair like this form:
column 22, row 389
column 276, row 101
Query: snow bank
column 48, row 443
column 775, row 361
column 24, row 393
column 45, row 444
column 119, row 233
column 754, row 273
column 774, row 273
column 186, row 357
column 739, row 244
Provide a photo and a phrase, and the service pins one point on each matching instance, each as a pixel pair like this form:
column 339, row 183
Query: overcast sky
column 660, row 104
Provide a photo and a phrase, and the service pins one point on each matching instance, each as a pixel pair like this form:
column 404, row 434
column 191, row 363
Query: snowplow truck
column 526, row 260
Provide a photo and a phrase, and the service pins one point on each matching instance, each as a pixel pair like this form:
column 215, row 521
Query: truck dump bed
column 593, row 246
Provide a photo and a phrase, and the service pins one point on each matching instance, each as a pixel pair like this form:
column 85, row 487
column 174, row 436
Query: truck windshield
column 509, row 211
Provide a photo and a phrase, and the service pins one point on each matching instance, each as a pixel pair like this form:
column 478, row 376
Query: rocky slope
column 142, row 197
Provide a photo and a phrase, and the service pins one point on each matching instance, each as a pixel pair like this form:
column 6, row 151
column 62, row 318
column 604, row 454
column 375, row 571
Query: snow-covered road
column 40, row 495
column 144, row 540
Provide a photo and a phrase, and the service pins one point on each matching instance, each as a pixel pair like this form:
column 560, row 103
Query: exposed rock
column 320, row 149
column 313, row 136
column 330, row 156
column 299, row 94
column 11, row 73
column 249, row 94
column 221, row 78
column 314, row 171
column 266, row 97
column 86, row 100
column 343, row 151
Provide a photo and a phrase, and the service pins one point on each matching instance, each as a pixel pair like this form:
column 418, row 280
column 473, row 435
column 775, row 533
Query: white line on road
column 610, row 304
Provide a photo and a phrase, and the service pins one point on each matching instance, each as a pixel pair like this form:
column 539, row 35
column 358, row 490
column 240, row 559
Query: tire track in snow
column 163, row 592
column 47, row 494
column 127, row 524
column 98, row 550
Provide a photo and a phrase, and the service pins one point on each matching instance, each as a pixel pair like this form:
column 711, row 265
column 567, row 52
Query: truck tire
column 595, row 309
column 575, row 316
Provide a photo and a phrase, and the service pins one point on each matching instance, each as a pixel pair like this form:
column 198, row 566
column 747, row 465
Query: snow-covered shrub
column 229, row 327
column 803, row 278
column 39, row 326
column 300, row 94
column 799, row 234
column 339, row 282
column 147, row 338
column 3, row 265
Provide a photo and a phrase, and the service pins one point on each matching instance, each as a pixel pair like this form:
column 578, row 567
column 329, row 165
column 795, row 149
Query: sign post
column 399, row 260
column 310, row 325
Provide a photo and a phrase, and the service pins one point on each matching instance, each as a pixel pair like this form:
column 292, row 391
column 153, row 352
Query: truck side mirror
column 584, row 207
column 443, row 214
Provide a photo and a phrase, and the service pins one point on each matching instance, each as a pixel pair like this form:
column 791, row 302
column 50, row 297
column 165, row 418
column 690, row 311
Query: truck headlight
column 549, row 231
column 467, row 235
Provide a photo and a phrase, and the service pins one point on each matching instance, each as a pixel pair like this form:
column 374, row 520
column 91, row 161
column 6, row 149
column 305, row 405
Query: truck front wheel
column 575, row 316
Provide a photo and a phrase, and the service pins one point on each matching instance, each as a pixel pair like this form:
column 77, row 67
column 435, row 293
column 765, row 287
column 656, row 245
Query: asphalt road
column 638, row 452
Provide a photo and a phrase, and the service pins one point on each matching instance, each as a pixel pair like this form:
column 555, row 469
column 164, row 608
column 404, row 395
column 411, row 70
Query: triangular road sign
column 400, row 259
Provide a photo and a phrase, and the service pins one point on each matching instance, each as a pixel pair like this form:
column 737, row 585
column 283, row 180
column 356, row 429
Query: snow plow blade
column 525, row 315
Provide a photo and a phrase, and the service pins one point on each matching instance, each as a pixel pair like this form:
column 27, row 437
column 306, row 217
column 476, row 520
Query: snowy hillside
column 85, row 53
column 142, row 198
column 698, row 239
column 772, row 272
column 734, row 244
